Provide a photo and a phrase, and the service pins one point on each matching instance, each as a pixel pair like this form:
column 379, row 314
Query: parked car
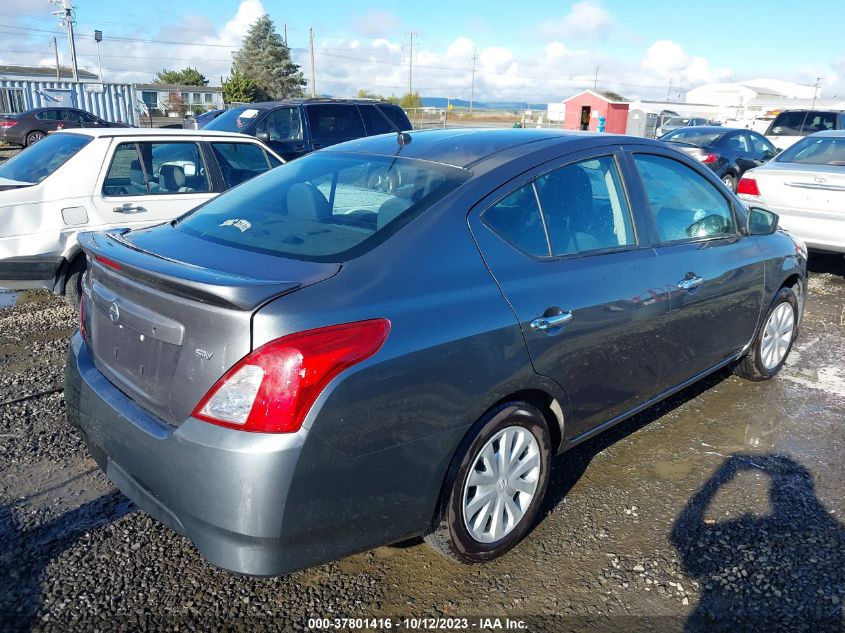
column 790, row 126
column 79, row 180
column 31, row 126
column 729, row 152
column 319, row 362
column 199, row 121
column 295, row 127
column 678, row 122
column 805, row 185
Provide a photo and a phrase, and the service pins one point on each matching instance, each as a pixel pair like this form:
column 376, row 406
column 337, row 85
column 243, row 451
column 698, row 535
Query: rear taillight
column 272, row 389
column 105, row 261
column 82, row 329
column 8, row 123
column 748, row 186
column 709, row 158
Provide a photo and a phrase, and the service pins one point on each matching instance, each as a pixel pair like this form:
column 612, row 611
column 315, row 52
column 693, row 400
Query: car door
column 240, row 161
column 763, row 151
column 562, row 244
column 282, row 130
column 331, row 123
column 50, row 120
column 145, row 182
column 713, row 273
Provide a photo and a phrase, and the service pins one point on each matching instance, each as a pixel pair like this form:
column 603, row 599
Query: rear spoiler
column 111, row 252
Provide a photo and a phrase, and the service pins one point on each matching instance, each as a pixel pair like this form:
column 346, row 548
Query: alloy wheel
column 777, row 335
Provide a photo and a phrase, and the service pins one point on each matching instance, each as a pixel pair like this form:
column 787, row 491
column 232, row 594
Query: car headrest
column 308, row 202
column 391, row 209
column 171, row 177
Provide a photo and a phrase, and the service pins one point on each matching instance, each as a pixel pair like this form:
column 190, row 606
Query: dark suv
column 790, row 126
column 294, row 127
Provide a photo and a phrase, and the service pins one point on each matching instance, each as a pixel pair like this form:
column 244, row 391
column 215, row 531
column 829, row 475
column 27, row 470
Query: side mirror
column 263, row 136
column 761, row 221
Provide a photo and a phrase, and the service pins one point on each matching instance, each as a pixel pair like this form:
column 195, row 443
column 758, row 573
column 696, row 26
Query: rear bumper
column 29, row 272
column 198, row 479
column 254, row 503
column 819, row 231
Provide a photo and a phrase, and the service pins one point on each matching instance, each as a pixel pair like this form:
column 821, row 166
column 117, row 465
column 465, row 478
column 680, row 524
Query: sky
column 536, row 52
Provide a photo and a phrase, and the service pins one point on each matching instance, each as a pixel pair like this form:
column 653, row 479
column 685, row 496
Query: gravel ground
column 722, row 509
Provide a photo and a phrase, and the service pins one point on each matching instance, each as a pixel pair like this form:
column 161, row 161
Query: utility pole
column 815, row 93
column 313, row 72
column 596, row 80
column 472, row 85
column 66, row 14
column 411, row 63
column 56, row 53
column 98, row 37
column 669, row 92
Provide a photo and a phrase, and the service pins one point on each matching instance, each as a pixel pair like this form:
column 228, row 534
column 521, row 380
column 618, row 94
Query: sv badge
column 204, row 354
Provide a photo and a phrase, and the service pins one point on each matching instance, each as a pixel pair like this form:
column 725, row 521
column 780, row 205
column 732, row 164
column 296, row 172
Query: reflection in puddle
column 8, row 298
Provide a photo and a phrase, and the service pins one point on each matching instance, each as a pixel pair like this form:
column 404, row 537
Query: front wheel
column 730, row 182
column 495, row 485
column 34, row 137
column 774, row 340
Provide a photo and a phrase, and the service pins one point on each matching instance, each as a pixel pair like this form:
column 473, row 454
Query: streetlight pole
column 98, row 37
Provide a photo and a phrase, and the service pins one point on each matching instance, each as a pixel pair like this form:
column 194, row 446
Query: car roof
column 711, row 128
column 267, row 105
column 463, row 147
column 154, row 131
column 825, row 133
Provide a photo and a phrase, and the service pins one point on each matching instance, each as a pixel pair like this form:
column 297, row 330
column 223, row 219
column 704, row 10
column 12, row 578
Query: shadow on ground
column 27, row 551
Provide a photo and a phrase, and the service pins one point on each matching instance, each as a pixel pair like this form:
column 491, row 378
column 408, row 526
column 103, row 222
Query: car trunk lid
column 167, row 314
column 811, row 189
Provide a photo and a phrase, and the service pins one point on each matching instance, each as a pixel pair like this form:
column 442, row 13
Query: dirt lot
column 721, row 509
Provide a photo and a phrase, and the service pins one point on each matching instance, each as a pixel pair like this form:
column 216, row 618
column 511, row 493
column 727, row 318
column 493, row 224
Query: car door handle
column 544, row 323
column 317, row 145
column 126, row 208
column 690, row 281
column 299, row 148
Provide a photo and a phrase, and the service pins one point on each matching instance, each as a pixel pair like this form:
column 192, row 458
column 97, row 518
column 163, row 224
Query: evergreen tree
column 185, row 77
column 265, row 59
column 238, row 88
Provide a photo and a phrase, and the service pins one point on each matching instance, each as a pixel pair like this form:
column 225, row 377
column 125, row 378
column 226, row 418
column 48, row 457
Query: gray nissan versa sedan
column 393, row 337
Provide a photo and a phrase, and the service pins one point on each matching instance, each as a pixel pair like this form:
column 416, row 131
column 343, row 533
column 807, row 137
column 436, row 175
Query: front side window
column 324, row 206
column 239, row 161
column 517, row 219
column 283, row 124
column 156, row 168
column 38, row 161
column 685, row 204
column 761, row 146
column 585, row 207
column 333, row 121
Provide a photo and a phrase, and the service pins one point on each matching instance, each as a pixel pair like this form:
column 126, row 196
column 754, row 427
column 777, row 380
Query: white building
column 195, row 99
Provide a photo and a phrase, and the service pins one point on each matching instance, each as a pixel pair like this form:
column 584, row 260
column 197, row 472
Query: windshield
column 324, row 206
column 38, row 161
column 677, row 121
column 815, row 151
column 693, row 137
column 234, row 119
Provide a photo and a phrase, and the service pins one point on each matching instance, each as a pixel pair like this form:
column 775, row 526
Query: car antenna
column 402, row 138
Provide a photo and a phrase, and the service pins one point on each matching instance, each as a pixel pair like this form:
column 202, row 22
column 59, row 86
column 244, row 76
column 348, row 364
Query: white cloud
column 377, row 23
column 586, row 19
column 667, row 59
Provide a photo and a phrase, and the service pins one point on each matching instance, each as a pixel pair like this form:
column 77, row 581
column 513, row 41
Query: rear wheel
column 730, row 182
column 495, row 485
column 774, row 340
column 73, row 281
column 34, row 137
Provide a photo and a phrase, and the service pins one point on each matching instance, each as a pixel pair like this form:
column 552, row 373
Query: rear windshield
column 693, row 137
column 677, row 121
column 38, row 161
column 815, row 151
column 234, row 119
column 323, row 207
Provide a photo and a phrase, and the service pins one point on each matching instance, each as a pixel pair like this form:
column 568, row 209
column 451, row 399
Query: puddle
column 8, row 298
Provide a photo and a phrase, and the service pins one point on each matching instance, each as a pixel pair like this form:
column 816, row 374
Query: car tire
column 773, row 342
column 34, row 137
column 730, row 182
column 73, row 281
column 523, row 427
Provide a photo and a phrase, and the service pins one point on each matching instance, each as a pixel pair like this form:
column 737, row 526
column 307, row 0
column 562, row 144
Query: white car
column 805, row 186
column 96, row 179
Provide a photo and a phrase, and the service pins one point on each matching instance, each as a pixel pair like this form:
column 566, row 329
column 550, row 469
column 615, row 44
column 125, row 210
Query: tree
column 185, row 77
column 174, row 103
column 411, row 100
column 366, row 94
column 238, row 88
column 265, row 59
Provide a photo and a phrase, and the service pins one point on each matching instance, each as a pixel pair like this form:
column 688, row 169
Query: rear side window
column 49, row 115
column 787, row 124
column 324, row 206
column 585, row 207
column 156, row 168
column 517, row 220
column 374, row 121
column 685, row 204
column 38, row 161
column 819, row 122
column 239, row 161
column 332, row 121
column 397, row 115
